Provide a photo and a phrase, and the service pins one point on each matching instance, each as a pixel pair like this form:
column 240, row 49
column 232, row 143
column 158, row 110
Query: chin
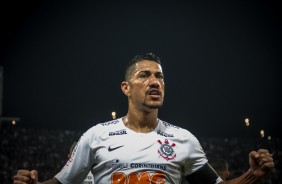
column 153, row 106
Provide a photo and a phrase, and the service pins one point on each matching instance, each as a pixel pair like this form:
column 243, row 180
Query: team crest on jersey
column 166, row 150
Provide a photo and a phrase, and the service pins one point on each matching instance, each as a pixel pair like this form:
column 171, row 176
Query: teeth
column 154, row 93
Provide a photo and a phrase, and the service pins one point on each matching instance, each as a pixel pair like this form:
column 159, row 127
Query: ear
column 125, row 88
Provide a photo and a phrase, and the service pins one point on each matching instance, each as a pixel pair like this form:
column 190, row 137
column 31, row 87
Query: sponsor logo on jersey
column 164, row 134
column 169, row 125
column 138, row 177
column 110, row 123
column 89, row 179
column 117, row 164
column 166, row 150
column 118, row 132
column 148, row 165
column 114, row 148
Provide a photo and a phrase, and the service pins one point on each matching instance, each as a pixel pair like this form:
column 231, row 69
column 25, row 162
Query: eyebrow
column 148, row 71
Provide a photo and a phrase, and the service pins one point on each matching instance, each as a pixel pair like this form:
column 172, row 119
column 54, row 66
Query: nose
column 154, row 82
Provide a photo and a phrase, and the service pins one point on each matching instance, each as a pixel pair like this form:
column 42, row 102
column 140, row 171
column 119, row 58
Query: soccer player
column 141, row 148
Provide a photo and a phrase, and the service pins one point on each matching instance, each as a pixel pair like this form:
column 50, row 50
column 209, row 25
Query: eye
column 142, row 75
column 160, row 76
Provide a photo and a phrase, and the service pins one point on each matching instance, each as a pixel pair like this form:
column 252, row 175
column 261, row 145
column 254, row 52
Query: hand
column 261, row 162
column 26, row 177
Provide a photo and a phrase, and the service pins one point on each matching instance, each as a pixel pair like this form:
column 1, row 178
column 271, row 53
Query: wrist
column 251, row 176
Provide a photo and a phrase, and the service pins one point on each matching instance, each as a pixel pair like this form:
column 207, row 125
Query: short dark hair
column 131, row 65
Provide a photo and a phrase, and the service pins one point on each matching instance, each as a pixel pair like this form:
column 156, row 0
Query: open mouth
column 154, row 92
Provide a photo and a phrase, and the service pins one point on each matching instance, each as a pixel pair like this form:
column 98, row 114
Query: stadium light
column 114, row 115
column 262, row 133
column 247, row 121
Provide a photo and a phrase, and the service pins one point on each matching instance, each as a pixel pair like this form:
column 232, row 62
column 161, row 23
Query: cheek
column 145, row 83
column 163, row 86
column 141, row 85
column 137, row 89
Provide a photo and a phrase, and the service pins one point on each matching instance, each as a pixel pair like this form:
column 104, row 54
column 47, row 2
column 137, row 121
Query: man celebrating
column 141, row 148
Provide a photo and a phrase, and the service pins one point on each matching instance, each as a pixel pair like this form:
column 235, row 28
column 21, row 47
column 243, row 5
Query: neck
column 141, row 122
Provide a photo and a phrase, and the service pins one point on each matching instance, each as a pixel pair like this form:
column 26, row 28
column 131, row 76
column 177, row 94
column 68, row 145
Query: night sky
column 64, row 61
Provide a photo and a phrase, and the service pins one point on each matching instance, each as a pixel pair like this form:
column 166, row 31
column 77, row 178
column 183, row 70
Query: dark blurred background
column 63, row 62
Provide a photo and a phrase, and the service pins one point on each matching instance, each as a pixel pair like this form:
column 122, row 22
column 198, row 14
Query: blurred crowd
column 46, row 151
column 235, row 151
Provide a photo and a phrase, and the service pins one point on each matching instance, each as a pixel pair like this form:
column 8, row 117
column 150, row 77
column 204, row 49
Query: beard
column 153, row 106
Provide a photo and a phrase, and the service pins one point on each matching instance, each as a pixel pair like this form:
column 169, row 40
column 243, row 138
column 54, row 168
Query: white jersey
column 116, row 154
column 89, row 179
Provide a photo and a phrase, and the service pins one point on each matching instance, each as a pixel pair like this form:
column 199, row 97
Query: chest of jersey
column 129, row 155
column 130, row 146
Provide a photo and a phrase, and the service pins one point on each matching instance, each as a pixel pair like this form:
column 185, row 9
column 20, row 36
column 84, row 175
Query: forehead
column 148, row 65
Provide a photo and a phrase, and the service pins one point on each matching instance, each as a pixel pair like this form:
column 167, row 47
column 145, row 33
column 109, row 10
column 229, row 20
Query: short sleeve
column 196, row 156
column 79, row 165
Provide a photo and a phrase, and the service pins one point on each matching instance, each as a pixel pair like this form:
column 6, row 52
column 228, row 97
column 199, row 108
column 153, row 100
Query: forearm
column 246, row 178
column 51, row 181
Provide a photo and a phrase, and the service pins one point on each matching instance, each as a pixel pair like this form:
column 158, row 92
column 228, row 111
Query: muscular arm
column 247, row 177
column 260, row 162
